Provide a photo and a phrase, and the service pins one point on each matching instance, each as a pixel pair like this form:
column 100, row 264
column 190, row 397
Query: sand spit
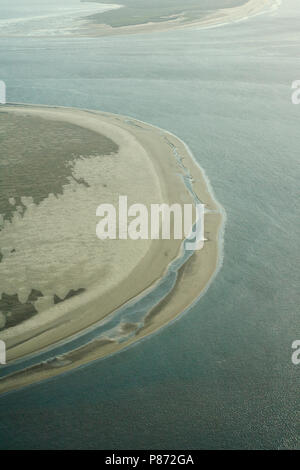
column 220, row 17
column 155, row 148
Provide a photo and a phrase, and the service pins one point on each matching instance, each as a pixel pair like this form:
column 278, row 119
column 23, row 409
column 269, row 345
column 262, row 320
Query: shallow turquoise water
column 222, row 376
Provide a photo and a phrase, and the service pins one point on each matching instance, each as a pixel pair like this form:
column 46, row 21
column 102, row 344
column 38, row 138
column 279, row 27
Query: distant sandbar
column 117, row 23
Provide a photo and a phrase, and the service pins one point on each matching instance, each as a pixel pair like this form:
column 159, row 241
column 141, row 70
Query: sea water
column 222, row 375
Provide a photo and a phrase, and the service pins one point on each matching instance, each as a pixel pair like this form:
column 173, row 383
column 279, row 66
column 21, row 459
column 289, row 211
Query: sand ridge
column 220, row 17
column 82, row 312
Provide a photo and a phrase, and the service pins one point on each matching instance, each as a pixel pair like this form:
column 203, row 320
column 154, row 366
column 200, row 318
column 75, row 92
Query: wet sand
column 76, row 314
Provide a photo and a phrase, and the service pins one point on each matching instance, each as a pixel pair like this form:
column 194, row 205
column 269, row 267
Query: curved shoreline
column 191, row 282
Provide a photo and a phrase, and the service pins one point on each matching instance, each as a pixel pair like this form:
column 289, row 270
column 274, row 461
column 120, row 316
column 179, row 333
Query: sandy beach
column 211, row 19
column 141, row 146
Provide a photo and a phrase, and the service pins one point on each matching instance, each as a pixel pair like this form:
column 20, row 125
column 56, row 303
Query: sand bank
column 220, row 17
column 139, row 144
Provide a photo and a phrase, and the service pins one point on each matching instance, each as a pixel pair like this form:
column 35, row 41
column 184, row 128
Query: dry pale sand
column 218, row 18
column 79, row 313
